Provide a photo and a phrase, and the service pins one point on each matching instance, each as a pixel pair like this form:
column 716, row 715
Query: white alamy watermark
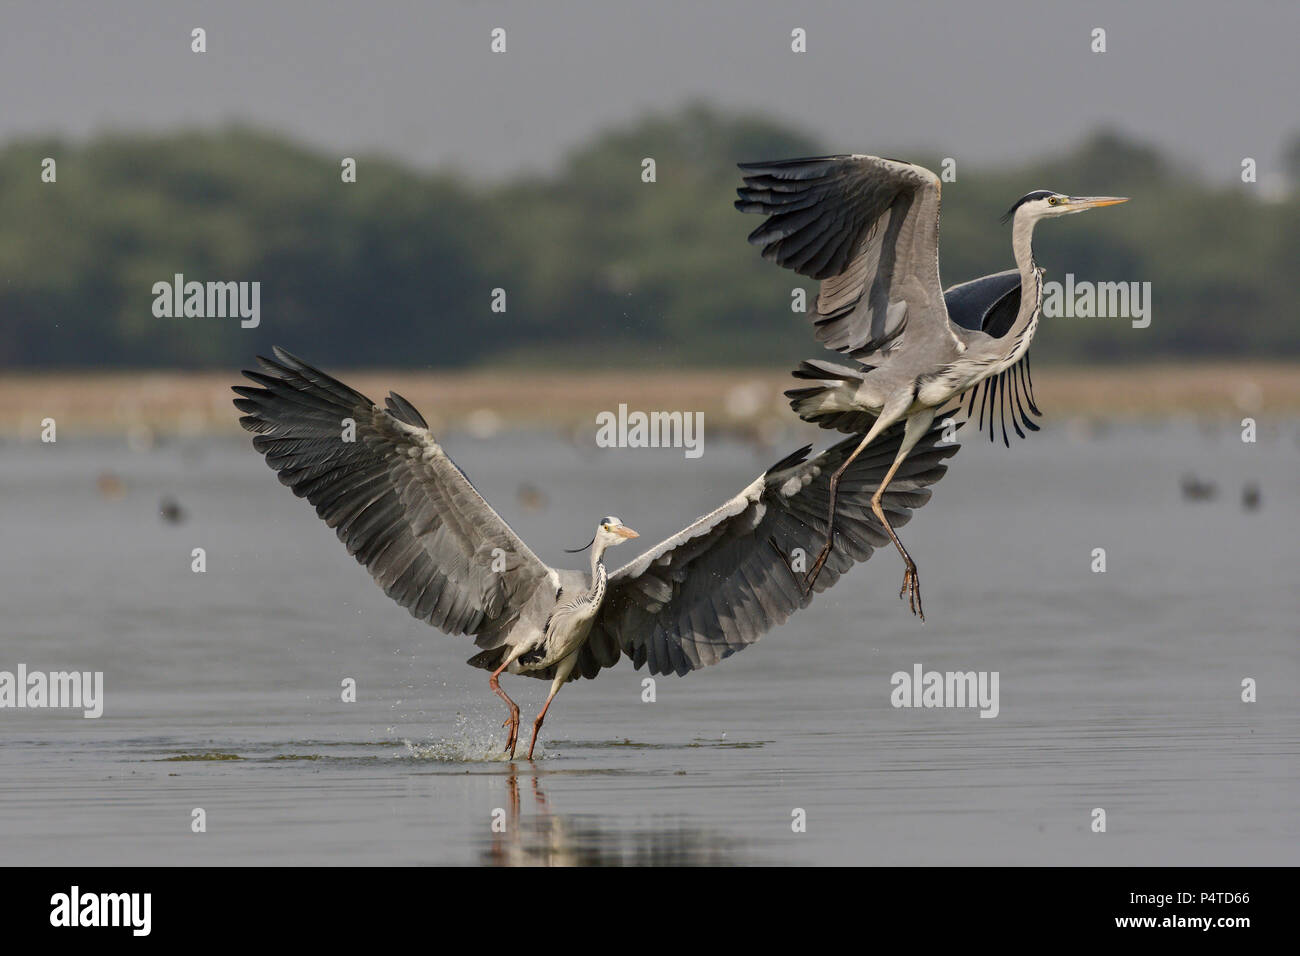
column 208, row 300
column 922, row 688
column 635, row 429
column 1098, row 300
column 75, row 908
column 77, row 690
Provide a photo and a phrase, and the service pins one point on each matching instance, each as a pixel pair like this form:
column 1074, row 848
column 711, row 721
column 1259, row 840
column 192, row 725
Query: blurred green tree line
column 399, row 268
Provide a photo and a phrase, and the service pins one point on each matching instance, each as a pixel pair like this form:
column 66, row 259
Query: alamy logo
column 1100, row 300
column 948, row 689
column 651, row 430
column 57, row 689
column 208, row 300
column 75, row 908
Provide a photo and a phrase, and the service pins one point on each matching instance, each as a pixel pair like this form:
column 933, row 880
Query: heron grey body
column 868, row 229
column 408, row 513
column 850, row 397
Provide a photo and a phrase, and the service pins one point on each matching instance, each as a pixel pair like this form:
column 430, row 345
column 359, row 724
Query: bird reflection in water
column 544, row 838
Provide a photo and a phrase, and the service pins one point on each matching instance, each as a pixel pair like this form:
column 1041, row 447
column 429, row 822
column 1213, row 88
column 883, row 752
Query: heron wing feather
column 715, row 587
column 402, row 507
column 868, row 229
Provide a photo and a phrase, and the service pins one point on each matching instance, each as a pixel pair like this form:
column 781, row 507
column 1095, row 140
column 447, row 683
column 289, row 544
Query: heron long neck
column 598, row 574
column 1022, row 330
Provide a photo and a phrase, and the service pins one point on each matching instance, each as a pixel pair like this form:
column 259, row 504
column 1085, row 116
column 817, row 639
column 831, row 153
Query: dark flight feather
column 1011, row 390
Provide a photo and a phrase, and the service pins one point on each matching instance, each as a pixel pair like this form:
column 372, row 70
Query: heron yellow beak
column 624, row 532
column 1094, row 202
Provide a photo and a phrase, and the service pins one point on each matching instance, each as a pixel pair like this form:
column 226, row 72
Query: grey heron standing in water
column 868, row 228
column 409, row 515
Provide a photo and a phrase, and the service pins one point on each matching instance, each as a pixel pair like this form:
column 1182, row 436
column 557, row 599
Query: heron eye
column 1053, row 201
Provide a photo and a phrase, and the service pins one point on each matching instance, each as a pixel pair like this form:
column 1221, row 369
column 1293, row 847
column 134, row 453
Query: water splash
column 472, row 741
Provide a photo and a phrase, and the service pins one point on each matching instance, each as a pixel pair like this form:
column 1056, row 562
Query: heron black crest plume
column 583, row 548
column 1027, row 197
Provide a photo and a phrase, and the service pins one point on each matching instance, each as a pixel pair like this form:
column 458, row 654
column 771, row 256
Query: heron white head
column 1045, row 204
column 612, row 531
column 609, row 532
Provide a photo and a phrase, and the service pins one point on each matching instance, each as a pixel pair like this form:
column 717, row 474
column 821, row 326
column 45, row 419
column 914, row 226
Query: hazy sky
column 1209, row 81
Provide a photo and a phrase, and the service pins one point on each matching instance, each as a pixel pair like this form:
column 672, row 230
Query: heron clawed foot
column 513, row 738
column 912, row 589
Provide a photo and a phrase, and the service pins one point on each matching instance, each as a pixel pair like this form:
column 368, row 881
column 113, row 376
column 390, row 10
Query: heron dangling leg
column 830, row 525
column 883, row 422
column 917, row 426
column 513, row 720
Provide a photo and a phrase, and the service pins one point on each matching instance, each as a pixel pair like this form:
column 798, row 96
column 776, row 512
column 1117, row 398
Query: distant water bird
column 530, row 497
column 171, row 510
column 1250, row 497
column 408, row 513
column 1196, row 489
column 868, row 228
column 111, row 487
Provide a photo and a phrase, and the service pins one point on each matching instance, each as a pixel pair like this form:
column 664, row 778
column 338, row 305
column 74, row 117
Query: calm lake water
column 1118, row 690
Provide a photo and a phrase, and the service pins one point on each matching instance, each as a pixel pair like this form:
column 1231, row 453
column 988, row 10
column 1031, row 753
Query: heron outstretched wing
column 718, row 585
column 399, row 504
column 868, row 228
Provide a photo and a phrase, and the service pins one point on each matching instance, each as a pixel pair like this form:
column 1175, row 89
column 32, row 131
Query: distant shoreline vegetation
column 364, row 262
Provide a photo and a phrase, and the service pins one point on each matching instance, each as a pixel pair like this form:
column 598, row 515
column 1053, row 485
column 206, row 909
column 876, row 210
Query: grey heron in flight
column 868, row 228
column 408, row 513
